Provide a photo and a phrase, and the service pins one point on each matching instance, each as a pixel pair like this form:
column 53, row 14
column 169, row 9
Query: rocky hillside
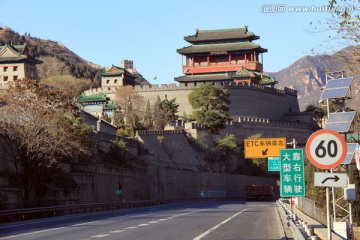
column 307, row 75
column 57, row 58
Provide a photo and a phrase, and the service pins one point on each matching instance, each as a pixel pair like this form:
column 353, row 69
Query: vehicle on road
column 259, row 192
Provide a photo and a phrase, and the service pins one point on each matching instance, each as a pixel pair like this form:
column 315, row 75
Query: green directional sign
column 292, row 178
column 273, row 164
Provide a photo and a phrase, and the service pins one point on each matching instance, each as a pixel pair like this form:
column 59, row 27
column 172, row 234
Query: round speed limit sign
column 326, row 149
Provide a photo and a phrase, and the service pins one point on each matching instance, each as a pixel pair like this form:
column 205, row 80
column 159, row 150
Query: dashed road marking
column 131, row 228
column 153, row 222
column 100, row 236
column 117, row 231
column 143, row 224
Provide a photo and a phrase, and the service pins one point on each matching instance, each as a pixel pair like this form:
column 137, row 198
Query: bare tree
column 67, row 83
column 130, row 105
column 343, row 27
column 39, row 131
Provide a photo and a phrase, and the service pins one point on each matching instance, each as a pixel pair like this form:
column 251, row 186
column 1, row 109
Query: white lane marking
column 85, row 223
column 117, row 231
column 143, row 224
column 100, row 236
column 153, row 222
column 131, row 228
column 25, row 234
column 80, row 224
column 162, row 219
column 215, row 227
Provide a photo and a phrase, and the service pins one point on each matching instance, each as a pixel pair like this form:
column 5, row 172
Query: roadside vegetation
column 39, row 132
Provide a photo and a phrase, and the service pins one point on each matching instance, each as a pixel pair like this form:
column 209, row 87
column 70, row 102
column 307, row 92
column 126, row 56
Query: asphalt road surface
column 208, row 221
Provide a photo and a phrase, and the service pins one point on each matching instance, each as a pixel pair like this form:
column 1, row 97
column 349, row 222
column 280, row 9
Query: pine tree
column 148, row 118
column 159, row 116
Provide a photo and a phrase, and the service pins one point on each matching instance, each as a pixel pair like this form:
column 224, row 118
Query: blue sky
column 149, row 32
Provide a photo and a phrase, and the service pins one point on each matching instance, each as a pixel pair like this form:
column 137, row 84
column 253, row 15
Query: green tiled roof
column 92, row 98
column 268, row 80
column 19, row 51
column 221, row 35
column 119, row 71
column 221, row 47
column 246, row 73
column 243, row 72
column 203, row 77
column 109, row 107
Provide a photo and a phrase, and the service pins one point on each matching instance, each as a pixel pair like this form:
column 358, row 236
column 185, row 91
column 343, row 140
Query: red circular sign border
column 313, row 161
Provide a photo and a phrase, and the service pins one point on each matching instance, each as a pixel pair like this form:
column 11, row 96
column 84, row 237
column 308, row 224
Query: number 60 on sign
column 326, row 149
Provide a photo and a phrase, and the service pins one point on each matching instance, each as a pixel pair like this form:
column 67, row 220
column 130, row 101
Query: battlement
column 264, row 121
column 191, row 86
column 106, row 90
column 231, row 85
column 159, row 132
column 127, row 64
column 164, row 87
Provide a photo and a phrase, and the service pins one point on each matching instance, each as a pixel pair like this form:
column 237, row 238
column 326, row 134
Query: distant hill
column 57, row 58
column 307, row 75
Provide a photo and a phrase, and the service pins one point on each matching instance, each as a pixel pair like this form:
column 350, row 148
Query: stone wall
column 98, row 125
column 161, row 182
column 248, row 101
column 264, row 128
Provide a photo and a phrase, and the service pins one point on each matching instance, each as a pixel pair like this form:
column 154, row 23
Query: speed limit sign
column 326, row 149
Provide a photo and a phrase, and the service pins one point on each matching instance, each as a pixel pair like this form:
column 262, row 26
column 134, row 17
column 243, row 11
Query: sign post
column 326, row 149
column 292, row 178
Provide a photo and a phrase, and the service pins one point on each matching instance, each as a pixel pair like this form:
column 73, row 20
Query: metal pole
column 328, row 114
column 333, row 199
column 328, row 216
column 349, row 203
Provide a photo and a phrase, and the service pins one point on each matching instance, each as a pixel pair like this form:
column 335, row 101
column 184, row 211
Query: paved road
column 207, row 221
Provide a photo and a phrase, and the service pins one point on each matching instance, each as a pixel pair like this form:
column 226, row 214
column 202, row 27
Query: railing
column 43, row 212
column 309, row 208
column 234, row 64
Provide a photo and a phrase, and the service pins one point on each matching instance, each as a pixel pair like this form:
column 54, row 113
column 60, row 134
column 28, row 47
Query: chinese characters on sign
column 273, row 164
column 292, row 179
column 263, row 147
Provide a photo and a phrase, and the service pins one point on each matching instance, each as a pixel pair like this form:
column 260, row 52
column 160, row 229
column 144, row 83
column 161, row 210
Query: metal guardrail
column 299, row 228
column 42, row 212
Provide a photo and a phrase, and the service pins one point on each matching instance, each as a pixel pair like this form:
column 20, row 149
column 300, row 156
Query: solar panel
column 336, row 88
column 340, row 122
column 351, row 148
column 340, row 82
column 334, row 93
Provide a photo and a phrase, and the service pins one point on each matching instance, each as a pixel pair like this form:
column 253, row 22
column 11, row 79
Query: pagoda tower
column 224, row 56
column 16, row 63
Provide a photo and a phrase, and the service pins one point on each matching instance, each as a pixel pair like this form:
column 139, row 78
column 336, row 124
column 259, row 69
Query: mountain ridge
column 307, row 75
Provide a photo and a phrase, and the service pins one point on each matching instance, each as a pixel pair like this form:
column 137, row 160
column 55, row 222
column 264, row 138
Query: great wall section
column 168, row 164
column 245, row 100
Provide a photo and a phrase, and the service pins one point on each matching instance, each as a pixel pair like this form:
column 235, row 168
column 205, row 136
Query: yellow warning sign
column 264, row 147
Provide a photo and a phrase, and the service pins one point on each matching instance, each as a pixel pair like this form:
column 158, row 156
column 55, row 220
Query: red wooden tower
column 227, row 55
